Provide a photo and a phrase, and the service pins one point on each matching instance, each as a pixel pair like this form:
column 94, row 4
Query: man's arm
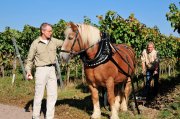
column 156, row 64
column 143, row 63
column 30, row 60
column 59, row 42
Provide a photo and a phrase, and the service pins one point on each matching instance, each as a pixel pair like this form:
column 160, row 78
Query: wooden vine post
column 59, row 73
column 19, row 57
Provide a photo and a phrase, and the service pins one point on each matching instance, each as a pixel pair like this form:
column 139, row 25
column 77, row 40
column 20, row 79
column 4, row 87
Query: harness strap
column 127, row 74
column 120, row 69
column 117, row 49
column 103, row 54
column 126, row 61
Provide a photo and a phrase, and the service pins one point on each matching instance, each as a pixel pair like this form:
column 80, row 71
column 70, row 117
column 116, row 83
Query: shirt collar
column 150, row 52
column 41, row 40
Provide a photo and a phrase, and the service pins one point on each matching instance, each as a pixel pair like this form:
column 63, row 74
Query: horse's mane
column 89, row 34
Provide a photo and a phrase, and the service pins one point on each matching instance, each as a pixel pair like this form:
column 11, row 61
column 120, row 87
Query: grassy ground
column 75, row 102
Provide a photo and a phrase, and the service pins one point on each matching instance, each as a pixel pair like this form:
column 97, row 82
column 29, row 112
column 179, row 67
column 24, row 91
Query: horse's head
column 77, row 38
column 71, row 43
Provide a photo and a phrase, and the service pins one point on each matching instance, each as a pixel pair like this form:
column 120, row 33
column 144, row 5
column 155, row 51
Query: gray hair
column 150, row 43
column 43, row 26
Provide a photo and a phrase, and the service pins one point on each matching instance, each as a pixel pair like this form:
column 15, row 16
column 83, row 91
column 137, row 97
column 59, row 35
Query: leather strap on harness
column 103, row 54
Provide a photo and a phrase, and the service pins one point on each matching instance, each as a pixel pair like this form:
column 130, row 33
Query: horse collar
column 102, row 55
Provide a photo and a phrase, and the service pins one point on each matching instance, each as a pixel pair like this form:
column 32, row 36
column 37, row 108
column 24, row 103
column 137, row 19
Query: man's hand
column 144, row 72
column 155, row 72
column 29, row 76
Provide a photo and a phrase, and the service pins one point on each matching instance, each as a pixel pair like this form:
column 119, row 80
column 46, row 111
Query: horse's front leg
column 114, row 103
column 95, row 99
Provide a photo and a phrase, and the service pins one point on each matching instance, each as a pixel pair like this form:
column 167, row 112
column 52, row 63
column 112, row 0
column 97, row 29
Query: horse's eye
column 70, row 37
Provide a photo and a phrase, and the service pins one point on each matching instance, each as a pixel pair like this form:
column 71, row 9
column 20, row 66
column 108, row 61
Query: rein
column 77, row 53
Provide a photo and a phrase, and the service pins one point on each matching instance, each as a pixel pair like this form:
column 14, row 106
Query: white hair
column 89, row 34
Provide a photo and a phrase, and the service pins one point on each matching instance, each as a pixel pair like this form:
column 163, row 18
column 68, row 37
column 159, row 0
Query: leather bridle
column 73, row 53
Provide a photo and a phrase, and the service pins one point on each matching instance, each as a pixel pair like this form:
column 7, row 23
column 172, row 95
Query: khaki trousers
column 45, row 77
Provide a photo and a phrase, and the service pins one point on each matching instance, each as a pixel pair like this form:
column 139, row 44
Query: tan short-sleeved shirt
column 42, row 54
column 151, row 60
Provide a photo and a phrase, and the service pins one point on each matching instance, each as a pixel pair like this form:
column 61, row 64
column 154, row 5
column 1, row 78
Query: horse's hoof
column 114, row 117
column 95, row 117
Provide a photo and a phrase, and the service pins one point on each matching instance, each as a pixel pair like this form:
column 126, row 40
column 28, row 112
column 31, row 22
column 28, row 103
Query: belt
column 49, row 65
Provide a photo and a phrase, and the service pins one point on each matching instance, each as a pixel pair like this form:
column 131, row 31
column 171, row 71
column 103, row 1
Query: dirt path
column 12, row 112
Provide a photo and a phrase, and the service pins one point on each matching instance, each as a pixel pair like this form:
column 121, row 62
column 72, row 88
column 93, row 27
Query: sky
column 17, row 13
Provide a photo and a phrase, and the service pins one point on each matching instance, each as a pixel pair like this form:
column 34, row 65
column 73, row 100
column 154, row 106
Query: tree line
column 130, row 31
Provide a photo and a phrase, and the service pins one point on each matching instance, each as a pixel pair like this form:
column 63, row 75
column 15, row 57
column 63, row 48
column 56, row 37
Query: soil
column 13, row 112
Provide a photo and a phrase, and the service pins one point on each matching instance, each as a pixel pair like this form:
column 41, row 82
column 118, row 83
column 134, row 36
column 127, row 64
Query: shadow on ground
column 84, row 104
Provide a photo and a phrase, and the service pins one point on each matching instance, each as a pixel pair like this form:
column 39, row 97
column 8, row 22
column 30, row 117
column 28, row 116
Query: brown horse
column 105, row 64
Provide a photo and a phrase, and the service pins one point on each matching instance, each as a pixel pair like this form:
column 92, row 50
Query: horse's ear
column 73, row 26
column 68, row 24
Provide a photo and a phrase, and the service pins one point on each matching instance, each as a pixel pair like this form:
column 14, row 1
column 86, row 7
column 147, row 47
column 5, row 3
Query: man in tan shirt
column 42, row 53
column 150, row 67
